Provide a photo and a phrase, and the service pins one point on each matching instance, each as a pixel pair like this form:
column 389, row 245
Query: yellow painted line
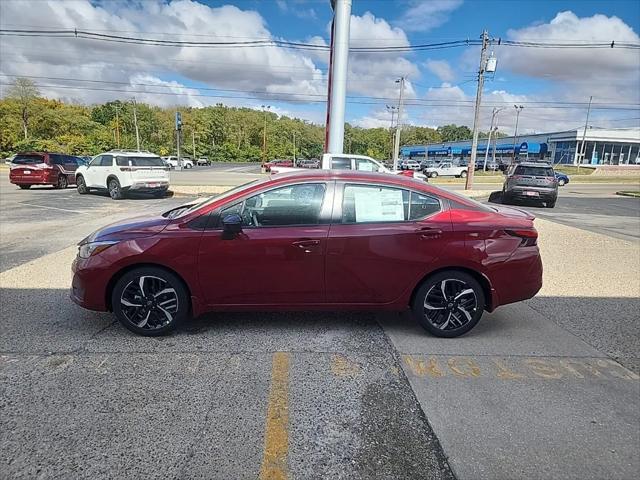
column 276, row 434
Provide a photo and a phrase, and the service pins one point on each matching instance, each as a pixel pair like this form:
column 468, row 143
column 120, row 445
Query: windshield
column 215, row 198
column 28, row 159
column 139, row 161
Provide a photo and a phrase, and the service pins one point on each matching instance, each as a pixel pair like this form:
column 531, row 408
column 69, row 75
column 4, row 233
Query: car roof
column 534, row 164
column 130, row 153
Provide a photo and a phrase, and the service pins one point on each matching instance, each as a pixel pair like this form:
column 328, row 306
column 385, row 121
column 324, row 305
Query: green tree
column 24, row 92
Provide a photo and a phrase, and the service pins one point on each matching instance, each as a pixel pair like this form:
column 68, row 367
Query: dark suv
column 41, row 168
column 531, row 181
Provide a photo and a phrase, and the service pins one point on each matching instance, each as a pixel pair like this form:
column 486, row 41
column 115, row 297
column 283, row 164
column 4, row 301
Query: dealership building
column 603, row 147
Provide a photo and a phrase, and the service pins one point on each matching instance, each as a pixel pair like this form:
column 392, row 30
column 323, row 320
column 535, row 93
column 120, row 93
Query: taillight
column 529, row 237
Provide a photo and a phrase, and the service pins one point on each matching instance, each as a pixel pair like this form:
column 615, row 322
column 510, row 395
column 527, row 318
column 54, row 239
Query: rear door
column 382, row 240
column 27, row 167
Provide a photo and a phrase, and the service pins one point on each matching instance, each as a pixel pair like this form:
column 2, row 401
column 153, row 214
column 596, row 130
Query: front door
column 278, row 258
column 383, row 239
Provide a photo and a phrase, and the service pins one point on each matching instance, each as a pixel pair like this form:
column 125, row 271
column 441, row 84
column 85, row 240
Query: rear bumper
column 544, row 194
column 518, row 278
column 40, row 178
column 149, row 186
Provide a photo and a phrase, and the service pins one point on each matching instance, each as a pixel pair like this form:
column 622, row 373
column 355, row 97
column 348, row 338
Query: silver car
column 531, row 181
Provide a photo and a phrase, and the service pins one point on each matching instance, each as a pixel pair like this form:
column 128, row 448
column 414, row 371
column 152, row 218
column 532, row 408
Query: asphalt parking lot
column 547, row 388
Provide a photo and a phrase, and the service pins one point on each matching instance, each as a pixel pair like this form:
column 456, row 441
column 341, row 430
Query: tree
column 452, row 133
column 24, row 91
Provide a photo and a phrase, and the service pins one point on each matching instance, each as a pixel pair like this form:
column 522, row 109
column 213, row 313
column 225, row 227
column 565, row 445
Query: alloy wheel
column 450, row 304
column 149, row 302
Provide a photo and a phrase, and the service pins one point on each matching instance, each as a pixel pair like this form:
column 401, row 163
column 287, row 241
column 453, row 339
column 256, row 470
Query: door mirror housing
column 232, row 224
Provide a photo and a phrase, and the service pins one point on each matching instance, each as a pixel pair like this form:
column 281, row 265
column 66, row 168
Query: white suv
column 122, row 171
column 185, row 162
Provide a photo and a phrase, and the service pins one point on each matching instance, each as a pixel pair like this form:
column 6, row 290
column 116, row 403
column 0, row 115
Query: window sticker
column 378, row 205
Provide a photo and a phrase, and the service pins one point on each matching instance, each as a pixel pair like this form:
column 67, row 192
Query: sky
column 553, row 85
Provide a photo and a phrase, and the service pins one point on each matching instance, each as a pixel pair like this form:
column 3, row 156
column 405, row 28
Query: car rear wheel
column 464, row 174
column 561, row 182
column 150, row 301
column 115, row 192
column 25, row 187
column 449, row 304
column 433, row 174
column 81, row 185
column 550, row 204
column 62, row 182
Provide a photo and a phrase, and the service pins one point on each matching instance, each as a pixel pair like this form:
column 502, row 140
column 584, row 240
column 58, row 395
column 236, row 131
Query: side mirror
column 232, row 224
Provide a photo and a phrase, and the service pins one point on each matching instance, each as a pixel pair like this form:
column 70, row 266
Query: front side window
column 340, row 163
column 106, row 161
column 96, row 161
column 291, row 205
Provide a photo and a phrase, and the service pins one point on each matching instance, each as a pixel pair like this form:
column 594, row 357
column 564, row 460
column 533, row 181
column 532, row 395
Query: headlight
column 85, row 250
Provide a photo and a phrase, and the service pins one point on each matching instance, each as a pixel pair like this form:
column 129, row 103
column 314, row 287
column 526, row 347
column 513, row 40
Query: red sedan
column 314, row 240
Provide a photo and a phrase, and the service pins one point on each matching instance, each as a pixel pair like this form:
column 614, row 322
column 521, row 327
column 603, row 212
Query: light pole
column 265, row 109
column 515, row 135
column 135, row 122
column 392, row 109
column 494, row 116
column 396, row 147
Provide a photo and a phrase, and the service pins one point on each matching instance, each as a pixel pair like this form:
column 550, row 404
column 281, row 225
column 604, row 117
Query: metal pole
column 515, row 135
column 396, row 147
column 193, row 144
column 339, row 68
column 135, row 123
column 265, row 108
column 486, row 150
column 495, row 144
column 476, row 116
column 583, row 149
column 294, row 149
column 117, row 128
column 178, row 147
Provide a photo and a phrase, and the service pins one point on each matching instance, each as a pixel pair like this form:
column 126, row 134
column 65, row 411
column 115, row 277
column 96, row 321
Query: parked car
column 120, row 172
column 562, row 178
column 323, row 239
column 277, row 163
column 203, row 161
column 409, row 165
column 445, row 169
column 531, row 181
column 186, row 162
column 43, row 168
column 174, row 162
column 491, row 165
column 308, row 163
column 428, row 162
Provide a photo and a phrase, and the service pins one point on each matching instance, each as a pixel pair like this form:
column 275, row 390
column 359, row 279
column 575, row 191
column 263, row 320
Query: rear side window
column 106, row 161
column 28, row 159
column 139, row 161
column 369, row 203
column 340, row 163
column 57, row 159
column 422, row 205
column 534, row 171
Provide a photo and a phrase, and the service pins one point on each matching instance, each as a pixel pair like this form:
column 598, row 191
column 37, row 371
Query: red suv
column 319, row 239
column 40, row 168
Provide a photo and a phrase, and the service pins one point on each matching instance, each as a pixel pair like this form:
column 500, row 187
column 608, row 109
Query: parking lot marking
column 55, row 208
column 276, row 435
column 518, row 369
column 341, row 366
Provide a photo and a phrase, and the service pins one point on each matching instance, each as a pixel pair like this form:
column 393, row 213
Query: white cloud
column 424, row 15
column 441, row 69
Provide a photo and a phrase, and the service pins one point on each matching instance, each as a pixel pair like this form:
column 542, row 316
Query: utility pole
column 193, row 144
column 178, row 129
column 494, row 115
column 294, row 149
column 583, row 148
column 392, row 109
column 265, row 108
column 338, row 68
column 476, row 116
column 495, row 144
column 117, row 128
column 135, row 123
column 515, row 135
column 396, row 147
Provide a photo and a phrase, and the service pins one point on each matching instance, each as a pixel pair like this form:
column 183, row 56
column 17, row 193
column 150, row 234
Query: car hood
column 129, row 229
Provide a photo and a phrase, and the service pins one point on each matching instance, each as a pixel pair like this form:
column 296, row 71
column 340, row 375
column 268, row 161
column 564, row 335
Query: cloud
column 423, row 16
column 441, row 69
column 608, row 74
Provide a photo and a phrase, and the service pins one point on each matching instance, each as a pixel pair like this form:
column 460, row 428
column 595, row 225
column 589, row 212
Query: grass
column 570, row 170
column 629, row 193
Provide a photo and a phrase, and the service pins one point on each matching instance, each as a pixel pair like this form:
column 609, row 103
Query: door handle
column 306, row 244
column 429, row 232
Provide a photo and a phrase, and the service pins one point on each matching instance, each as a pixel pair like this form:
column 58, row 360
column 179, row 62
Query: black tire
column 81, row 185
column 115, row 191
column 561, row 182
column 157, row 313
column 506, row 199
column 455, row 314
column 62, row 182
column 551, row 204
column 433, row 174
column 463, row 174
column 24, row 187
column 160, row 194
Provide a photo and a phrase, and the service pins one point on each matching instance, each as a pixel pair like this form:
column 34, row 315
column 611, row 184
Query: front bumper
column 89, row 284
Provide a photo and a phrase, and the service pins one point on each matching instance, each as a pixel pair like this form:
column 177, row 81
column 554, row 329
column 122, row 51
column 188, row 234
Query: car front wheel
column 463, row 174
column 561, row 182
column 81, row 185
column 449, row 304
column 150, row 301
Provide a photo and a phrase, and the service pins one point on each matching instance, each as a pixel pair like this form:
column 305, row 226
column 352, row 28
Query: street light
column 393, row 109
column 515, row 135
column 265, row 109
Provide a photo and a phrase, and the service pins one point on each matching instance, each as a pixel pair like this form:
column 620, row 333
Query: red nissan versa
column 321, row 239
column 40, row 168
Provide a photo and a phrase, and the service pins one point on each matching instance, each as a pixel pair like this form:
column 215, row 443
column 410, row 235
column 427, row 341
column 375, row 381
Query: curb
column 629, row 194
